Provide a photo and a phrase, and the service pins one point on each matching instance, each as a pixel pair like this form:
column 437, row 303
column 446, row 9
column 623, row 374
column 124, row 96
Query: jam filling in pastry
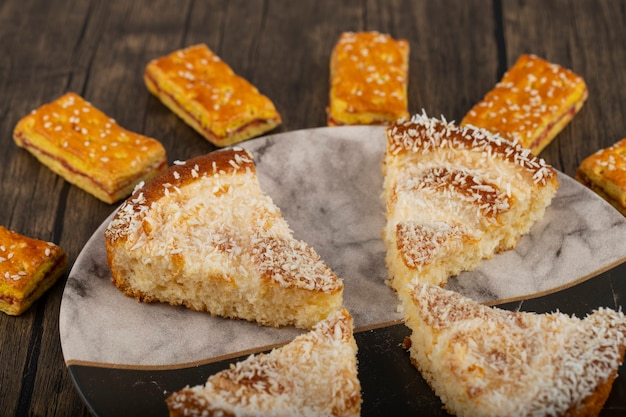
column 206, row 93
column 28, row 268
column 88, row 148
column 532, row 103
column 605, row 173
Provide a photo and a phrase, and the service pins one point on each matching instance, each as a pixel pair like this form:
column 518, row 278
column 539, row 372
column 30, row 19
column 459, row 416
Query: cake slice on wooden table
column 455, row 196
column 207, row 94
column 88, row 148
column 484, row 361
column 314, row 375
column 204, row 235
column 369, row 74
column 605, row 173
column 532, row 103
column 28, row 268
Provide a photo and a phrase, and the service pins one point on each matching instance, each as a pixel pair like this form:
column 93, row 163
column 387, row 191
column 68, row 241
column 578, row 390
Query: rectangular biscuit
column 532, row 103
column 28, row 267
column 605, row 173
column 368, row 79
column 87, row 148
column 205, row 92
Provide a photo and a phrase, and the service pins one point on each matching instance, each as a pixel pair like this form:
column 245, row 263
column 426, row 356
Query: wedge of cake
column 368, row 79
column 207, row 94
column 605, row 173
column 455, row 196
column 484, row 361
column 532, row 103
column 88, row 148
column 204, row 235
column 28, row 268
column 314, row 375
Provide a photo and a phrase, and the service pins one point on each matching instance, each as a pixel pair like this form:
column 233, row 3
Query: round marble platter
column 328, row 183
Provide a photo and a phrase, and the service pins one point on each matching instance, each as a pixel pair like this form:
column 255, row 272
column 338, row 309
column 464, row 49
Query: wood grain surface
column 98, row 49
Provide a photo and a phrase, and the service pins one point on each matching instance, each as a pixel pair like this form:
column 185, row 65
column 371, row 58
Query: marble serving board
column 328, row 184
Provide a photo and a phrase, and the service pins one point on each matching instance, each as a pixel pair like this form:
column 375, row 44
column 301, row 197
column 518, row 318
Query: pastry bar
column 455, row 196
column 532, row 103
column 485, row 361
column 204, row 235
column 89, row 149
column 314, row 375
column 28, row 268
column 368, row 79
column 605, row 173
column 205, row 92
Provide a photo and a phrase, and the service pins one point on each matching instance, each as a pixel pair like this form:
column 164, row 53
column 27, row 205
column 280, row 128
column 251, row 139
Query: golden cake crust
column 224, row 163
column 28, row 267
column 605, row 173
column 206, row 93
column 89, row 149
column 422, row 135
column 315, row 374
column 531, row 104
column 368, row 79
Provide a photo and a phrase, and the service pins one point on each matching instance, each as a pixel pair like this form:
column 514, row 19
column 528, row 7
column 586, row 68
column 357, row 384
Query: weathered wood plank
column 37, row 66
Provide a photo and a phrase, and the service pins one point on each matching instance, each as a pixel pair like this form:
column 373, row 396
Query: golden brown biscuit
column 368, row 79
column 205, row 92
column 605, row 173
column 532, row 103
column 89, row 149
column 28, row 267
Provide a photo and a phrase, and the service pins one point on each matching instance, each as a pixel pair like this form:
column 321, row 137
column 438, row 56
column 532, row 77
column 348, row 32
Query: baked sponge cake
column 484, row 361
column 369, row 73
column 88, row 148
column 207, row 94
column 204, row 235
column 28, row 268
column 532, row 103
column 314, row 375
column 605, row 173
column 455, row 196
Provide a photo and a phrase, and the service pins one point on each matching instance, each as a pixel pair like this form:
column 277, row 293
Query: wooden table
column 99, row 49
